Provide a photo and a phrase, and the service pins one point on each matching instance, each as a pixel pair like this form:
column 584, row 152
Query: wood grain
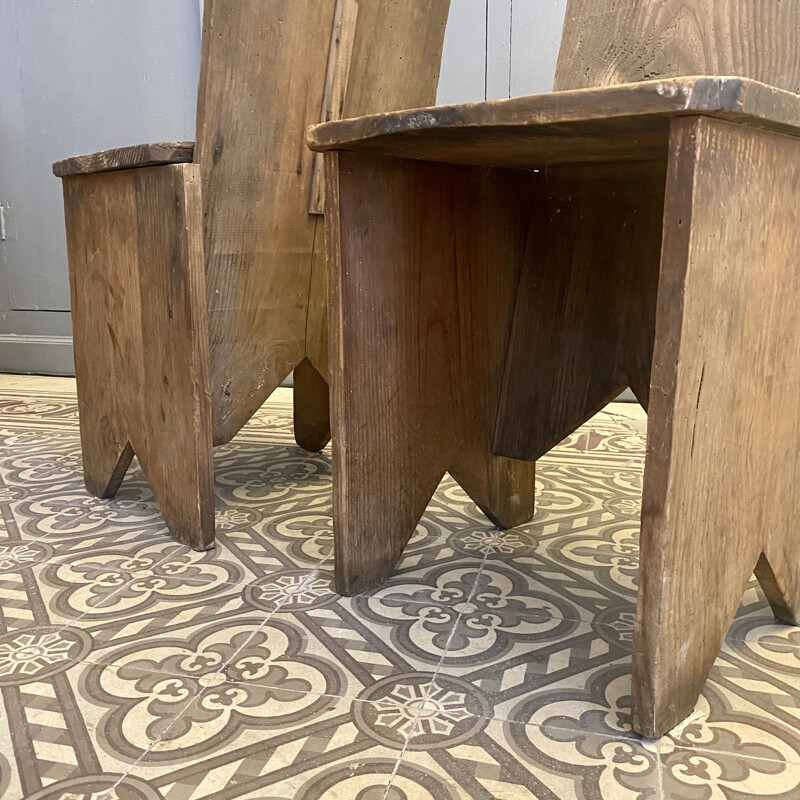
column 424, row 263
column 140, row 155
column 265, row 69
column 312, row 427
column 585, row 317
column 723, row 465
column 629, row 123
column 397, row 55
column 340, row 55
column 139, row 323
column 607, row 43
column 262, row 84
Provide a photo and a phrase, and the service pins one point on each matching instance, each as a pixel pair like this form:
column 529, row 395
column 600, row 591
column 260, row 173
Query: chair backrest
column 271, row 68
column 627, row 41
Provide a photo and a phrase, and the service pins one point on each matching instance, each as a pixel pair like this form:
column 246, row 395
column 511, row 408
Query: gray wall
column 83, row 75
column 75, row 76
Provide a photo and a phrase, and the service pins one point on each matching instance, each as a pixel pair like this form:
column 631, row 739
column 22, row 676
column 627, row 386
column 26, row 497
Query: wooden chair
column 505, row 269
column 197, row 271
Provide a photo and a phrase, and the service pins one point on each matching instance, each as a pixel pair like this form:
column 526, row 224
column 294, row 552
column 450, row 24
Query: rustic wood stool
column 503, row 270
column 198, row 271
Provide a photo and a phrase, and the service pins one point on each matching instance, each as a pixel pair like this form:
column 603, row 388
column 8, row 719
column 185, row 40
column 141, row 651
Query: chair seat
column 150, row 154
column 625, row 122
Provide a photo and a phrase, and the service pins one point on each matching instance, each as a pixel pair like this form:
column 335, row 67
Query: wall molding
column 32, row 354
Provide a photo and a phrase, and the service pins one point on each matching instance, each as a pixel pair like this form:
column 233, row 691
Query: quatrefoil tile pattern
column 493, row 664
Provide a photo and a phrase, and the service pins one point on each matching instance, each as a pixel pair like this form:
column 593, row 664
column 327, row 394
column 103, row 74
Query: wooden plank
column 585, row 317
column 723, row 464
column 312, row 425
column 140, row 155
column 611, row 43
column 339, row 56
column 616, row 123
column 262, row 84
column 396, row 55
column 422, row 301
column 141, row 354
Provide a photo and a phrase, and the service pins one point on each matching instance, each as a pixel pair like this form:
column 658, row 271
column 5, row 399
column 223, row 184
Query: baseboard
column 29, row 354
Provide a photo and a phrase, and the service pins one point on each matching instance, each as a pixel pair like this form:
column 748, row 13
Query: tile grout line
column 416, row 725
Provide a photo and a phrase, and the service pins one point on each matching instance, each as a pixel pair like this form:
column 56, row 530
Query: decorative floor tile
column 483, row 759
column 248, row 741
column 493, row 664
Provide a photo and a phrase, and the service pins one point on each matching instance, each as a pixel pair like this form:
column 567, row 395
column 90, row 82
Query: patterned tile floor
column 493, row 665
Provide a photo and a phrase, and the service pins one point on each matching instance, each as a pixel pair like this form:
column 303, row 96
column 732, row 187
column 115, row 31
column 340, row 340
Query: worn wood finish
column 139, row 322
column 259, row 59
column 618, row 123
column 397, row 54
column 424, row 263
column 698, row 308
column 266, row 73
column 312, row 427
column 339, row 57
column 594, row 254
column 609, row 43
column 723, row 465
column 257, row 175
column 140, row 155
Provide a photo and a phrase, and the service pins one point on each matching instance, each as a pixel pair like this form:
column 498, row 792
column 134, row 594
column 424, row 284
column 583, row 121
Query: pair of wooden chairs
column 498, row 272
column 197, row 270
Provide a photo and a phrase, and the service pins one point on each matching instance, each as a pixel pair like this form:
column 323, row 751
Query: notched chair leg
column 720, row 486
column 312, row 426
column 423, row 281
column 141, row 339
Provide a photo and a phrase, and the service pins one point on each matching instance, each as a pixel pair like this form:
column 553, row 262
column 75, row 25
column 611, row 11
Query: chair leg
column 141, row 349
column 312, row 426
column 723, row 464
column 423, row 281
column 585, row 314
column 103, row 468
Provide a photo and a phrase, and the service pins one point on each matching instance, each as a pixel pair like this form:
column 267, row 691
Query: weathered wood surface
column 397, row 54
column 628, row 122
column 263, row 83
column 311, row 407
column 607, row 43
column 139, row 324
column 140, row 155
column 340, row 55
column 584, row 323
column 264, row 71
column 723, row 464
column 422, row 300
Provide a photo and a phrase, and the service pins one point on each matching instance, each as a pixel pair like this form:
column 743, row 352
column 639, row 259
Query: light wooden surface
column 424, row 263
column 141, row 354
column 608, row 43
column 628, row 122
column 267, row 67
column 262, row 83
column 340, row 55
column 723, row 465
column 140, row 155
column 268, row 70
column 594, row 253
